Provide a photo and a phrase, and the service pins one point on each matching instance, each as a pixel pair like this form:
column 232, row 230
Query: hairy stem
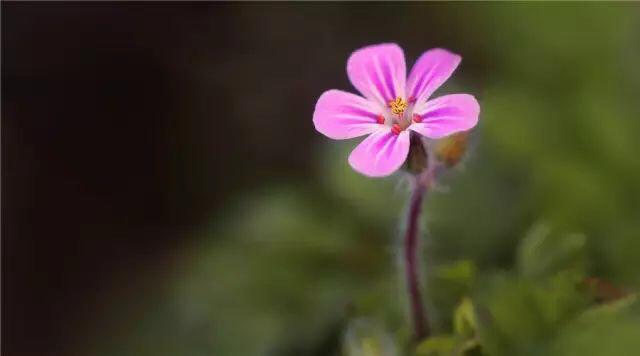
column 412, row 263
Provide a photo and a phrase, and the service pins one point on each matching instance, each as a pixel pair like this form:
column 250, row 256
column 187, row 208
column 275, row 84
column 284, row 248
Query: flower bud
column 450, row 150
column 417, row 161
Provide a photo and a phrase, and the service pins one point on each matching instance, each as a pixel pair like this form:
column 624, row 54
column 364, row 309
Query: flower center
column 398, row 106
column 399, row 116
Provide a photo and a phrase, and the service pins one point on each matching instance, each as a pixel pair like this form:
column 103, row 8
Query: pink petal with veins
column 340, row 115
column 380, row 154
column 431, row 70
column 378, row 72
column 446, row 115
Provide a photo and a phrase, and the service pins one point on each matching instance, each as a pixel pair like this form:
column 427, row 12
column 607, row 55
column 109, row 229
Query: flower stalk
column 412, row 263
column 424, row 166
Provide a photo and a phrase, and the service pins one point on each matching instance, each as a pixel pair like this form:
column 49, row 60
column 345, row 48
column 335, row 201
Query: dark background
column 125, row 126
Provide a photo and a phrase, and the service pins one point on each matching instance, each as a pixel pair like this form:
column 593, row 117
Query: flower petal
column 380, row 154
column 431, row 70
column 378, row 72
column 340, row 115
column 446, row 115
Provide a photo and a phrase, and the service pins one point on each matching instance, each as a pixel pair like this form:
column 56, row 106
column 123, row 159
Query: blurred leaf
column 441, row 345
column 624, row 305
column 460, row 273
column 447, row 345
column 449, row 284
column 523, row 315
column 542, row 253
column 281, row 272
column 609, row 329
column 365, row 337
column 464, row 319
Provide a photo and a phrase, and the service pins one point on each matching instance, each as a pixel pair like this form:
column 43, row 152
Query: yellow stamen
column 398, row 106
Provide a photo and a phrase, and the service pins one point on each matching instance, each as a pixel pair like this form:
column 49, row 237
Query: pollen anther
column 398, row 106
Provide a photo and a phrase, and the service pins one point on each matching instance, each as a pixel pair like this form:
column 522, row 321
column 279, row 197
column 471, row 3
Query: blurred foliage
column 367, row 338
column 549, row 195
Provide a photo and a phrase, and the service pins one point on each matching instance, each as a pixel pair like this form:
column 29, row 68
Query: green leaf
column 447, row 286
column 365, row 337
column 461, row 272
column 625, row 305
column 609, row 329
column 440, row 345
column 464, row 318
column 524, row 315
column 542, row 253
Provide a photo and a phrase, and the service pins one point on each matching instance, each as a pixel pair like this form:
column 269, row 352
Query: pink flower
column 392, row 106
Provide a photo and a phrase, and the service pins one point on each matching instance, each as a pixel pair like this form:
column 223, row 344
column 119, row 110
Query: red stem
column 421, row 328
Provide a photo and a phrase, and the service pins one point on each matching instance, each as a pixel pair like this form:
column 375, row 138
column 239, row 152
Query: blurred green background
column 267, row 242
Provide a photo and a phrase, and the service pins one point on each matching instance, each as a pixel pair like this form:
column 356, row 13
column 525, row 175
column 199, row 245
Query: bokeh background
column 165, row 193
